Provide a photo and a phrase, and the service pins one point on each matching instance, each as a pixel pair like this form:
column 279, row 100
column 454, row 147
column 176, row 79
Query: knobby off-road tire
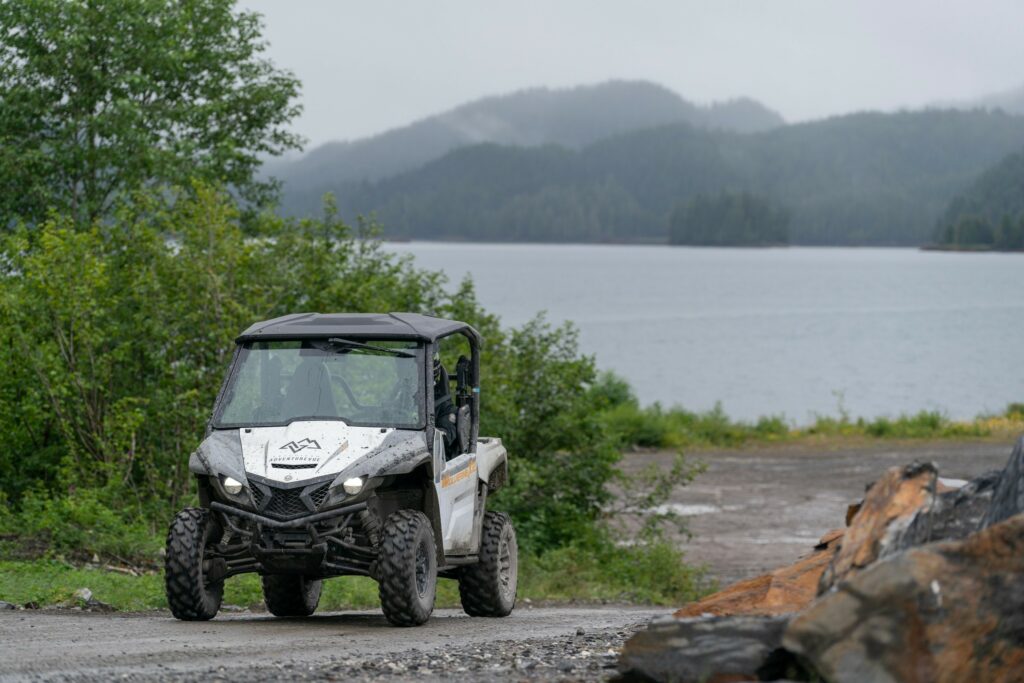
column 189, row 595
column 407, row 567
column 291, row 596
column 488, row 588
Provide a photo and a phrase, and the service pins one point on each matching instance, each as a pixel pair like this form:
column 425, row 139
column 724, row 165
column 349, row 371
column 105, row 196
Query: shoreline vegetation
column 971, row 248
column 646, row 427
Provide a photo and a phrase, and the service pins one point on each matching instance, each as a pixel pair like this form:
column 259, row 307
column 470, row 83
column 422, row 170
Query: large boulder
column 707, row 650
column 1008, row 499
column 943, row 613
column 955, row 514
column 784, row 590
column 888, row 508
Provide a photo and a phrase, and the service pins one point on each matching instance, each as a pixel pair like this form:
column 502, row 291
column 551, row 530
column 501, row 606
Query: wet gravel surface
column 556, row 643
column 579, row 657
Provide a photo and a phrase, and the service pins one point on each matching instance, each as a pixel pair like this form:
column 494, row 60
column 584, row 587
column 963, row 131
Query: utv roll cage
column 375, row 326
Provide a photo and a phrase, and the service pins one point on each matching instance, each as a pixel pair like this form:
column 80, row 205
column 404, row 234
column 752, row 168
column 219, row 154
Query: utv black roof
column 354, row 325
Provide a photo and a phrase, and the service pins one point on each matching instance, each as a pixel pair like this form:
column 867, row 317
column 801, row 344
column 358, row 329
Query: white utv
column 338, row 447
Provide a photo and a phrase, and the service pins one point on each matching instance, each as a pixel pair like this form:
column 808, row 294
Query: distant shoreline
column 642, row 243
column 970, row 248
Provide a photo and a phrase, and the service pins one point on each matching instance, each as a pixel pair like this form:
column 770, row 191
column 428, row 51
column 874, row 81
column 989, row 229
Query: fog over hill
column 1011, row 101
column 571, row 117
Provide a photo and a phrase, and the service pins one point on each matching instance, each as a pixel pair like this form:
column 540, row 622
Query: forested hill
column 990, row 213
column 870, row 178
column 571, row 117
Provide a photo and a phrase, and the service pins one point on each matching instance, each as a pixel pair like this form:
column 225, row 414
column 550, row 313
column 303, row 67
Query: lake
column 797, row 331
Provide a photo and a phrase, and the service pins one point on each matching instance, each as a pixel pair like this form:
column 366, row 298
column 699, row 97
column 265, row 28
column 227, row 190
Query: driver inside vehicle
column 444, row 407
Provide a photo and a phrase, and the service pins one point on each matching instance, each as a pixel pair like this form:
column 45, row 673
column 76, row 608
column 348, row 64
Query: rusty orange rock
column 940, row 613
column 888, row 506
column 784, row 590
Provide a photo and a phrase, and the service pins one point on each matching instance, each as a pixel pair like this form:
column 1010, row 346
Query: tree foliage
column 116, row 338
column 102, row 97
column 990, row 213
column 729, row 220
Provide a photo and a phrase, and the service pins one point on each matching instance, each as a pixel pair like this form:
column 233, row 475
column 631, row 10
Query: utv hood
column 307, row 450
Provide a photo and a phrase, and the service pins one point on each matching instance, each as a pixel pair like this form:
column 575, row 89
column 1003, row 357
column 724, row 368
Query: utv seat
column 309, row 391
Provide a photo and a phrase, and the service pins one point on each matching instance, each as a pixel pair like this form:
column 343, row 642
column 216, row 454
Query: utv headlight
column 232, row 486
column 353, row 486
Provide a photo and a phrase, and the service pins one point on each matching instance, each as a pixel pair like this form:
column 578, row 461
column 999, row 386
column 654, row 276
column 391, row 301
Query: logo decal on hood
column 295, row 447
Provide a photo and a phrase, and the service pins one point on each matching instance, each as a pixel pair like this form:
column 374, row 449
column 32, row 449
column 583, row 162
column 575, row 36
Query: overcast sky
column 367, row 66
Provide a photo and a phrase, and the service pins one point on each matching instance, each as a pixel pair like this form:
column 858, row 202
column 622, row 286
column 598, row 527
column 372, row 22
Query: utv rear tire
column 407, row 566
column 190, row 596
column 291, row 596
column 488, row 588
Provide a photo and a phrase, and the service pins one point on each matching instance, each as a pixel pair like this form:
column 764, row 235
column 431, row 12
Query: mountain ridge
column 569, row 117
column 859, row 179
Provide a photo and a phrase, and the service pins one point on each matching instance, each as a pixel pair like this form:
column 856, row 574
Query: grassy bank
column 657, row 427
column 656, row 576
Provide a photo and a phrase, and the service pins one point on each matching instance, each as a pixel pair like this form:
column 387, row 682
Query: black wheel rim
column 422, row 568
column 506, row 565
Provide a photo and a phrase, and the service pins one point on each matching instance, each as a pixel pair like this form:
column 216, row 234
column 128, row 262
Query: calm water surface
column 791, row 331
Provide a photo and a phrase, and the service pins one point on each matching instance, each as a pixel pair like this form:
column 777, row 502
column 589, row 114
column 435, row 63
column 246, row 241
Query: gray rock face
column 707, row 649
column 1008, row 499
column 942, row 613
column 953, row 515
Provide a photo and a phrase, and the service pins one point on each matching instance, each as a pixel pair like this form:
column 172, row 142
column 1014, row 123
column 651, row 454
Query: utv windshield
column 364, row 383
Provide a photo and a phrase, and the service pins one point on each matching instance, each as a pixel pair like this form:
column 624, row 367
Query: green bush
column 655, row 427
column 86, row 523
column 655, row 573
column 116, row 339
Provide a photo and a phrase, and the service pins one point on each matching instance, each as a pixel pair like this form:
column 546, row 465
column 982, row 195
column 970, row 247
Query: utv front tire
column 291, row 596
column 488, row 588
column 190, row 596
column 407, row 566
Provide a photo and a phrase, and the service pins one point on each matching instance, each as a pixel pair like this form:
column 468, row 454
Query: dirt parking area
column 757, row 509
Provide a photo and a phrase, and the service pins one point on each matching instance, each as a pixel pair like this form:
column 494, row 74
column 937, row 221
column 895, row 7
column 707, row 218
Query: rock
column 954, row 515
column 943, row 613
column 949, row 484
column 889, row 506
column 83, row 598
column 784, row 590
column 7, row 605
column 1008, row 499
column 715, row 649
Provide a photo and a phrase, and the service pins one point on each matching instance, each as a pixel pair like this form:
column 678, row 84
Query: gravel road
column 753, row 510
column 539, row 643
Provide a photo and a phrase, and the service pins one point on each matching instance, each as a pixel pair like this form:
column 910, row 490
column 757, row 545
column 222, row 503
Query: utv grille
column 319, row 495
column 289, row 502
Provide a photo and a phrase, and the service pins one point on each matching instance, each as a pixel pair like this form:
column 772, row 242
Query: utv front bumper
column 333, row 542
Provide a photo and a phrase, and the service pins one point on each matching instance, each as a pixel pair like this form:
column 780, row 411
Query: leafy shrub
column 116, row 338
column 655, row 573
column 85, row 524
